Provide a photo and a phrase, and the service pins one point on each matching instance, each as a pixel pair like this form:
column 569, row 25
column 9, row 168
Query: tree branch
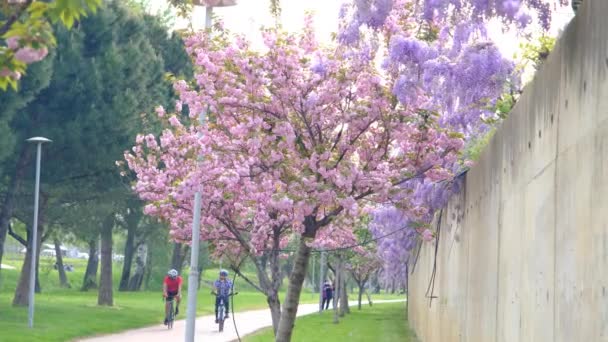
column 16, row 236
column 238, row 271
column 45, row 236
column 331, row 268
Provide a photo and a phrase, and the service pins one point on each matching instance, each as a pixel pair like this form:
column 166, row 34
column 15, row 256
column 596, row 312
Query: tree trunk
column 200, row 276
column 140, row 268
column 37, row 288
column 270, row 285
column 105, row 296
column 376, row 283
column 21, row 297
column 276, row 279
column 63, row 279
column 90, row 275
column 342, row 298
column 337, row 291
column 9, row 199
column 178, row 257
column 43, row 238
column 360, row 296
column 147, row 272
column 275, row 311
column 126, row 267
column 21, row 292
column 290, row 306
column 345, row 292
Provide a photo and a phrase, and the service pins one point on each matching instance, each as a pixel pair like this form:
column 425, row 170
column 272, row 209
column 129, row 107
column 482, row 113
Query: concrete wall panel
column 523, row 252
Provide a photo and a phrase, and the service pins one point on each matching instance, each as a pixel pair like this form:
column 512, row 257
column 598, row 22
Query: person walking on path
column 328, row 294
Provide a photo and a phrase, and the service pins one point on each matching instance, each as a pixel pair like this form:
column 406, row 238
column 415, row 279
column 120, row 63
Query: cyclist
column 172, row 288
column 223, row 288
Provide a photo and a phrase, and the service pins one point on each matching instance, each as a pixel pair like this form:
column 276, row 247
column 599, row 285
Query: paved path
column 206, row 329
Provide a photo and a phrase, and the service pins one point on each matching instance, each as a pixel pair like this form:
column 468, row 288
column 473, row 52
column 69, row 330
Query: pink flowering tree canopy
column 298, row 136
column 297, row 130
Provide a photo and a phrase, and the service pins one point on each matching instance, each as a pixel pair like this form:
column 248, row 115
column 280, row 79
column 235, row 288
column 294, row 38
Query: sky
column 249, row 15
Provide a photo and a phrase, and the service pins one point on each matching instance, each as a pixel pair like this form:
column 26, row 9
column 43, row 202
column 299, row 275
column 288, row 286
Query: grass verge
column 381, row 322
column 66, row 314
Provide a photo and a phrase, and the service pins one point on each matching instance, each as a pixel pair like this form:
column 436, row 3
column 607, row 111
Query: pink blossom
column 160, row 111
column 30, row 55
column 5, row 72
column 12, row 42
column 427, row 235
column 174, row 121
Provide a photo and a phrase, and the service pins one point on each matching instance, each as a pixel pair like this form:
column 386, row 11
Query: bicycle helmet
column 224, row 273
column 172, row 273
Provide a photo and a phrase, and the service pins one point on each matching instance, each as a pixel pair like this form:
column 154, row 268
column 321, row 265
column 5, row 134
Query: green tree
column 107, row 73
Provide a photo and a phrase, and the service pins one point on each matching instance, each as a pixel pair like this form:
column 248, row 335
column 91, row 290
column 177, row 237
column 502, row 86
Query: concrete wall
column 523, row 249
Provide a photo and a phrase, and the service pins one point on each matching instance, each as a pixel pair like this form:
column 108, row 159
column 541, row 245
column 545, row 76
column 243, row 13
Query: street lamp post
column 30, row 314
column 194, row 251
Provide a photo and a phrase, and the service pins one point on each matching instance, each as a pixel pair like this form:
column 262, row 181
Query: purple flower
column 436, row 69
column 343, row 10
column 319, row 65
column 523, row 20
column 511, row 7
column 350, row 34
column 380, row 11
column 311, row 100
column 405, row 90
column 410, row 50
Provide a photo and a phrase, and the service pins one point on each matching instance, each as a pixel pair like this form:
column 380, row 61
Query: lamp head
column 39, row 140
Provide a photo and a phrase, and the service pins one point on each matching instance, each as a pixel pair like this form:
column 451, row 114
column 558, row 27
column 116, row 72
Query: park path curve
column 206, row 329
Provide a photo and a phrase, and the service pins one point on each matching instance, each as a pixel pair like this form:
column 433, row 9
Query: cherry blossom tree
column 362, row 266
column 298, row 134
column 237, row 229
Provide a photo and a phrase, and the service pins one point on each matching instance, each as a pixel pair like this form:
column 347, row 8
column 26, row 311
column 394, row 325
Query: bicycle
column 221, row 316
column 171, row 317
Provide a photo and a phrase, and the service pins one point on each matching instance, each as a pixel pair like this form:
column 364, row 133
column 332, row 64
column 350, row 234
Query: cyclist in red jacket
column 172, row 288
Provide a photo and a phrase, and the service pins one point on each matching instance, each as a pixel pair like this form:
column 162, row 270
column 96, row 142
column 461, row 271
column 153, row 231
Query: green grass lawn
column 380, row 323
column 65, row 314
